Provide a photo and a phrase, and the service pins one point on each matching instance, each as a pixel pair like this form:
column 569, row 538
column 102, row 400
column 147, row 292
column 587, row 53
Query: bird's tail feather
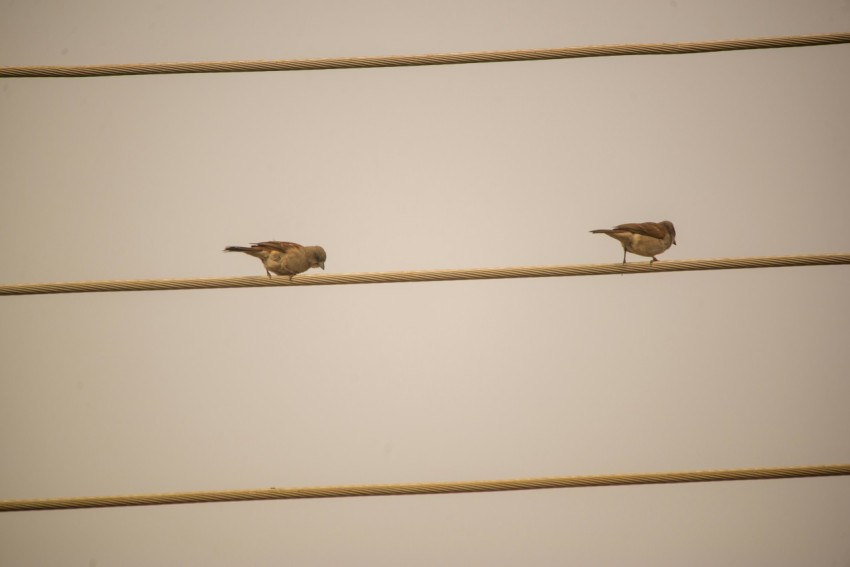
column 602, row 231
column 237, row 249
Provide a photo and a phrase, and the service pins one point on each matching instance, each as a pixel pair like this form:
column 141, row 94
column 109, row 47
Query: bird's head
column 670, row 228
column 317, row 256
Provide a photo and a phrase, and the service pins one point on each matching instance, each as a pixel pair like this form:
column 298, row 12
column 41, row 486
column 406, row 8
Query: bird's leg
column 268, row 273
column 624, row 255
column 654, row 259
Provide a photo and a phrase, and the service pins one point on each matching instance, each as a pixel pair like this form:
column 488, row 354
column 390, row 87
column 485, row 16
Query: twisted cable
column 424, row 488
column 430, row 59
column 429, row 275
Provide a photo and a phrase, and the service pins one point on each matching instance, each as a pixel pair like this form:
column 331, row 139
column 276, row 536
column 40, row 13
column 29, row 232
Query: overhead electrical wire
column 428, row 275
column 427, row 59
column 274, row 493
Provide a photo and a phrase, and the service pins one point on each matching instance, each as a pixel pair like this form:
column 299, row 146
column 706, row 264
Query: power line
column 428, row 59
column 429, row 275
column 424, row 488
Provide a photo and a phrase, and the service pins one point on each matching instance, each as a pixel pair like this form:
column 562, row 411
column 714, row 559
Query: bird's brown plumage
column 284, row 258
column 644, row 238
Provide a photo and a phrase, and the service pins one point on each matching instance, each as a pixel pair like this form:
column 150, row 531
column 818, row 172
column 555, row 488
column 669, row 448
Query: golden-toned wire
column 429, row 59
column 424, row 488
column 430, row 275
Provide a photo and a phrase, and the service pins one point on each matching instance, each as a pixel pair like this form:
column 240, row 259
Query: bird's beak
column 674, row 241
column 322, row 265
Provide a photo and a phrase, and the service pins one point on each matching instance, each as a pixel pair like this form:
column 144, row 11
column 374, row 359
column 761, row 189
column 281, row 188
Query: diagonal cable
column 429, row 275
column 424, row 488
column 428, row 59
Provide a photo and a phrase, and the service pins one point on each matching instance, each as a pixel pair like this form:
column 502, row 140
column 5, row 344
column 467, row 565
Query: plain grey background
column 421, row 168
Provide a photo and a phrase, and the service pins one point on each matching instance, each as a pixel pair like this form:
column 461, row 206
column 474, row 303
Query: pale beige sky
column 434, row 167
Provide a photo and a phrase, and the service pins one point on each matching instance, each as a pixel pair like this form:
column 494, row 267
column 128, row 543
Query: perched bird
column 643, row 239
column 284, row 258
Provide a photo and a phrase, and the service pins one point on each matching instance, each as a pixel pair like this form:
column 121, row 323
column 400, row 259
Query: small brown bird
column 643, row 239
column 284, row 258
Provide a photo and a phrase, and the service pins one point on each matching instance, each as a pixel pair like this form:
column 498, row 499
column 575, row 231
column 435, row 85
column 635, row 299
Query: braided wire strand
column 428, row 59
column 424, row 488
column 428, row 275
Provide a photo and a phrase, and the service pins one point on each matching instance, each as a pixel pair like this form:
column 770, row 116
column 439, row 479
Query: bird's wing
column 652, row 229
column 279, row 246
